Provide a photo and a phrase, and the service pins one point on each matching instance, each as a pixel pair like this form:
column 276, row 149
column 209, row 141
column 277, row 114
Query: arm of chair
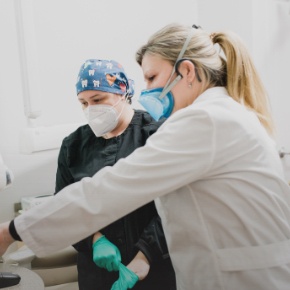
column 22, row 257
column 56, row 269
column 26, row 258
column 63, row 258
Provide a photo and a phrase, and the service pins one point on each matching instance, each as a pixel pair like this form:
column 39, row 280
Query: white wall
column 59, row 35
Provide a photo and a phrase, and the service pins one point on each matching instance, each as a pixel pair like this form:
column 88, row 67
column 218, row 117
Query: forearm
column 139, row 265
column 5, row 237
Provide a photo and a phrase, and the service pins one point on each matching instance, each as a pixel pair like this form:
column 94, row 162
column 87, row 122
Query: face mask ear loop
column 178, row 78
column 126, row 97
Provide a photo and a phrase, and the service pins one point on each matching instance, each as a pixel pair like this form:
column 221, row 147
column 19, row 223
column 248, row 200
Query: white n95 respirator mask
column 102, row 118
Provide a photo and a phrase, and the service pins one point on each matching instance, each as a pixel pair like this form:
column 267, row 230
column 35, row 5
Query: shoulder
column 81, row 134
column 144, row 120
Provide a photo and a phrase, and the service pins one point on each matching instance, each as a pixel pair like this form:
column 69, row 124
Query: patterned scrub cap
column 104, row 75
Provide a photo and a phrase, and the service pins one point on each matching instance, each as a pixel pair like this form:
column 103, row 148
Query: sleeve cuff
column 142, row 246
column 13, row 232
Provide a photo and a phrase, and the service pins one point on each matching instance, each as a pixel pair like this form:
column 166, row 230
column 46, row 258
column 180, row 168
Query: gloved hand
column 106, row 255
column 127, row 279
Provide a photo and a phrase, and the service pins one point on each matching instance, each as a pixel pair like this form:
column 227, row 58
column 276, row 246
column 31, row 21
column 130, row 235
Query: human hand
column 5, row 238
column 127, row 279
column 106, row 255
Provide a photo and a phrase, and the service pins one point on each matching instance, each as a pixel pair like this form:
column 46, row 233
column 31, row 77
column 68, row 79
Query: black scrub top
column 82, row 154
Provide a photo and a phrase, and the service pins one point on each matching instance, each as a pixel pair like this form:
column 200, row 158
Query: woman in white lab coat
column 212, row 169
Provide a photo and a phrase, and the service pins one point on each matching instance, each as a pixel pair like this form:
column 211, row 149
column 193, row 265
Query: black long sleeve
column 152, row 242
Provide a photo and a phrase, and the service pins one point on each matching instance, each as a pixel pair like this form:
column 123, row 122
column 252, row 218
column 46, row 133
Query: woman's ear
column 187, row 70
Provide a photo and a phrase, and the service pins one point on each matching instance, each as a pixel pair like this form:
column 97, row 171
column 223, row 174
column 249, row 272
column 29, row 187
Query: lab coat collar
column 216, row 92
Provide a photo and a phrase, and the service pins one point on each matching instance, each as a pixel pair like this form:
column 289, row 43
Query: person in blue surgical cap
column 114, row 131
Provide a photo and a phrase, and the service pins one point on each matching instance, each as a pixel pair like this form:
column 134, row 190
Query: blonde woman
column 212, row 169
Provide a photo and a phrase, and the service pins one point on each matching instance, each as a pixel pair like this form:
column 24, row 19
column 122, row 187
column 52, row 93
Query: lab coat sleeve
column 180, row 152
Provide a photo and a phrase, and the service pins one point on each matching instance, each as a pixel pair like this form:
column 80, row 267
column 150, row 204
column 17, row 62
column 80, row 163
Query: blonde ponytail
column 243, row 82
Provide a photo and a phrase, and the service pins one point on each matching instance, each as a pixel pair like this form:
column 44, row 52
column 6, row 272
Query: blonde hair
column 235, row 70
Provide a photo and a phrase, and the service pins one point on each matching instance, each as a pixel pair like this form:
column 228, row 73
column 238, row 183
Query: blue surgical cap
column 104, row 75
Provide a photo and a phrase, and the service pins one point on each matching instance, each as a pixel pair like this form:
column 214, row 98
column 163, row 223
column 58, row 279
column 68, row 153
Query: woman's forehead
column 154, row 62
column 91, row 94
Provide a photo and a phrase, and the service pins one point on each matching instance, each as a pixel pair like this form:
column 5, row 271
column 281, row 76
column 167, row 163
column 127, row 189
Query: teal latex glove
column 106, row 255
column 127, row 279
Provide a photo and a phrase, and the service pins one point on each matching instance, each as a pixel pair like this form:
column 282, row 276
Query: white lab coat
column 219, row 188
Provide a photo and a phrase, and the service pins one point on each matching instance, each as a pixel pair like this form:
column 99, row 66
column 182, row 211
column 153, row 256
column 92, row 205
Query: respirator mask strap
column 126, row 98
column 168, row 87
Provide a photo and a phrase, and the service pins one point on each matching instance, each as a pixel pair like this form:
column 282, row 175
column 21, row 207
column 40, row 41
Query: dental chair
column 58, row 271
